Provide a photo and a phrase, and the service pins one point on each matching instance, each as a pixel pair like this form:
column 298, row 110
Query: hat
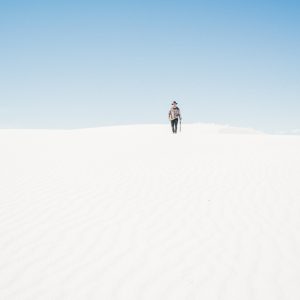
column 174, row 102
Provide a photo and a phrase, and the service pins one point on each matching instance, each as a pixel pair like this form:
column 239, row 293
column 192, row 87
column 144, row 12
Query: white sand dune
column 135, row 212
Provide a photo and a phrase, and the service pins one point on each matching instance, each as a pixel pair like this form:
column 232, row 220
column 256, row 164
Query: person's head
column 174, row 103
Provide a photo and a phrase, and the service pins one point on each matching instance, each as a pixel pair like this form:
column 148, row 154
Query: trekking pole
column 180, row 126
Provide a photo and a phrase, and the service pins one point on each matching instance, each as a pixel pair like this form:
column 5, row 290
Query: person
column 174, row 115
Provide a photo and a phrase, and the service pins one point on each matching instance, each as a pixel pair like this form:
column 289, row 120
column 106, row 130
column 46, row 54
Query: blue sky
column 70, row 64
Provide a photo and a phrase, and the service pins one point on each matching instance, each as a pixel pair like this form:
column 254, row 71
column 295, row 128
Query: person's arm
column 169, row 115
column 179, row 114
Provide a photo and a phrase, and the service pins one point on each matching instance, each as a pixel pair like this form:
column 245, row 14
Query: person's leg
column 175, row 125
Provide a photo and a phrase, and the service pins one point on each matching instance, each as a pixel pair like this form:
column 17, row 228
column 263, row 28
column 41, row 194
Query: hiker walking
column 174, row 115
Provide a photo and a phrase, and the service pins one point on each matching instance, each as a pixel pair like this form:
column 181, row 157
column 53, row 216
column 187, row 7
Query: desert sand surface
column 138, row 213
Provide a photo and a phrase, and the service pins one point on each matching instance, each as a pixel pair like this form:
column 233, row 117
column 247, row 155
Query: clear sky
column 88, row 63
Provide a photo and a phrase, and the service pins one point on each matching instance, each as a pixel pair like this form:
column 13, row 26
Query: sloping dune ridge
column 139, row 213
